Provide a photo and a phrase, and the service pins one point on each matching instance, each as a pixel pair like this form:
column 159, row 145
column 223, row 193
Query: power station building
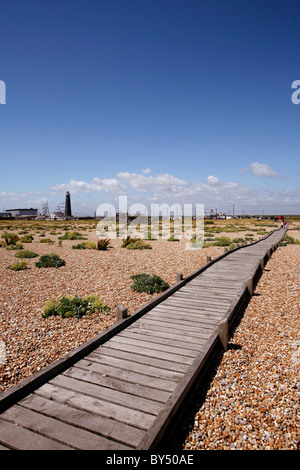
column 22, row 212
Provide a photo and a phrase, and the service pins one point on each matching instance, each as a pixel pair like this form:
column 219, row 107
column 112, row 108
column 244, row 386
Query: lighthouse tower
column 68, row 212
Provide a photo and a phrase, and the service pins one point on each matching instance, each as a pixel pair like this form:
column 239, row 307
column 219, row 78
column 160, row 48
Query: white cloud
column 108, row 185
column 261, row 169
column 146, row 171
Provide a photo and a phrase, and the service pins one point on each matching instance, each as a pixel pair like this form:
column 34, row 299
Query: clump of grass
column 25, row 254
column 47, row 240
column 135, row 244
column 72, row 236
column 75, row 306
column 222, row 241
column 27, row 239
column 288, row 240
column 79, row 246
column 18, row 266
column 149, row 284
column 50, row 261
column 18, row 246
column 173, row 239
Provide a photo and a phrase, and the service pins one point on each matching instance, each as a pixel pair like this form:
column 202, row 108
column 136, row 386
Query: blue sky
column 178, row 101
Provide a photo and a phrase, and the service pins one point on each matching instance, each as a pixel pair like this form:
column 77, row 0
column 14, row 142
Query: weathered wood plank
column 117, row 384
column 66, row 434
column 128, row 375
column 145, row 360
column 136, row 367
column 156, row 346
column 18, row 438
column 84, row 402
column 193, row 342
column 161, row 338
column 150, row 353
column 107, row 394
column 101, row 425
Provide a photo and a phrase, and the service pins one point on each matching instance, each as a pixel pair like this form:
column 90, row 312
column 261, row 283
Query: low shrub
column 222, row 241
column 18, row 246
column 50, row 261
column 149, row 284
column 27, row 239
column 25, row 254
column 103, row 244
column 72, row 236
column 288, row 240
column 18, row 266
column 10, row 238
column 135, row 244
column 173, row 239
column 80, row 246
column 75, row 306
column 47, row 240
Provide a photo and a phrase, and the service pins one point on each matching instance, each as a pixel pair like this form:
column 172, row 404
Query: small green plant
column 72, row 236
column 149, row 284
column 18, row 266
column 103, row 244
column 75, row 306
column 173, row 239
column 50, row 261
column 79, row 246
column 288, row 240
column 135, row 244
column 10, row 238
column 222, row 241
column 27, row 239
column 18, row 246
column 47, row 240
column 25, row 254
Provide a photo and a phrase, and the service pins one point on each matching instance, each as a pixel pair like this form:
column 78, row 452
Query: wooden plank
column 78, row 400
column 155, row 346
column 136, row 367
column 101, row 425
column 107, row 394
column 195, row 314
column 177, row 324
column 169, row 328
column 194, row 342
column 176, row 315
column 178, row 340
column 51, row 428
column 133, row 357
column 151, row 353
column 18, row 438
column 128, row 375
column 116, row 384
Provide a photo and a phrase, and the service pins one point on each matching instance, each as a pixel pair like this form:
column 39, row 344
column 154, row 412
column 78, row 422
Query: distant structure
column 68, row 211
column 22, row 212
column 45, row 210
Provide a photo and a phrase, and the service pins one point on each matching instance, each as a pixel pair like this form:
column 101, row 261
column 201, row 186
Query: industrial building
column 22, row 212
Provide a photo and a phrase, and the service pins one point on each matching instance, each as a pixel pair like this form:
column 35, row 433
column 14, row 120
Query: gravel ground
column 30, row 342
column 252, row 400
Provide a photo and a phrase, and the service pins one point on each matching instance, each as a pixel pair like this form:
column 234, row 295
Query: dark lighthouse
column 68, row 212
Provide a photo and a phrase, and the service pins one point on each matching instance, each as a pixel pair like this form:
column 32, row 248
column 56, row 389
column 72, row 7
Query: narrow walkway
column 123, row 394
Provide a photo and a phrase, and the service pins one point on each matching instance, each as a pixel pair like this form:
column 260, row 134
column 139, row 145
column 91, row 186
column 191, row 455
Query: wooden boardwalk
column 121, row 390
